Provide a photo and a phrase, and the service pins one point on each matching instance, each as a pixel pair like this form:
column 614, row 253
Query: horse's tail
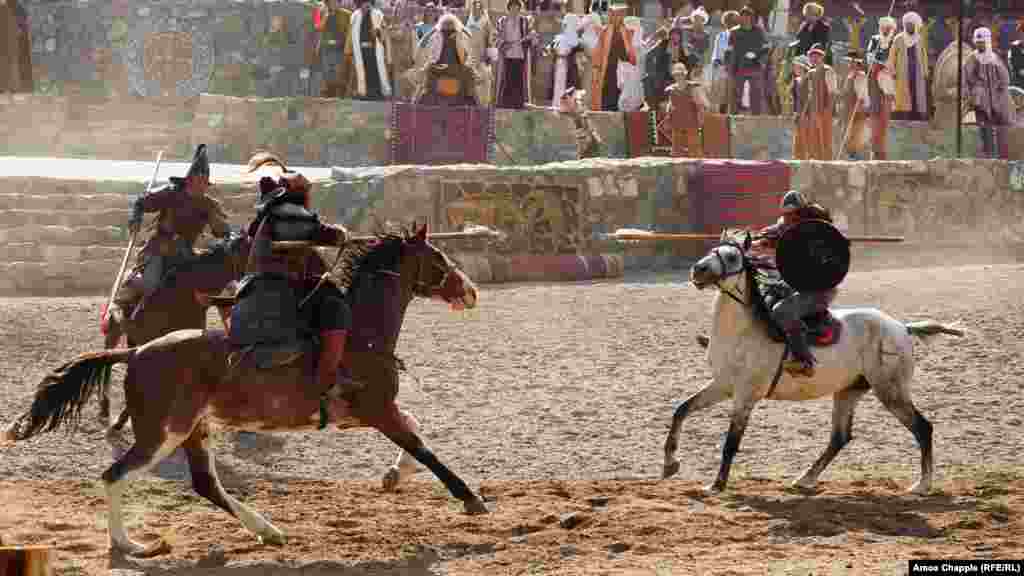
column 63, row 392
column 931, row 327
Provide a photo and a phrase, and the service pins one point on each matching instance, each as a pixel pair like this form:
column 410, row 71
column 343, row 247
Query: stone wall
column 349, row 133
column 66, row 236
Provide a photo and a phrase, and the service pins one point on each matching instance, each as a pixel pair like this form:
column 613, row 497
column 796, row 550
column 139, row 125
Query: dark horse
column 178, row 304
column 180, row 383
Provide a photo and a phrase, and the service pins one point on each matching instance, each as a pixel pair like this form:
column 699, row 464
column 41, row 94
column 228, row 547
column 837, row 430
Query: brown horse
column 181, row 304
column 180, row 383
column 178, row 304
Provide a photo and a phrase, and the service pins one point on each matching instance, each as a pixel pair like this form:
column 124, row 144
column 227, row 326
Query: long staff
column 656, row 236
column 131, row 241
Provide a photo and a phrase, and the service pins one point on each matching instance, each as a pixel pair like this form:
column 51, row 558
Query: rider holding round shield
column 790, row 305
column 184, row 211
column 272, row 309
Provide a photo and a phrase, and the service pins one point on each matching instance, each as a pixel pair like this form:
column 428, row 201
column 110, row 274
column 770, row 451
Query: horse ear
column 421, row 234
column 746, row 242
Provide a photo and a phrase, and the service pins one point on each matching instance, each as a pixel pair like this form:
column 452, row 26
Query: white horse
column 872, row 352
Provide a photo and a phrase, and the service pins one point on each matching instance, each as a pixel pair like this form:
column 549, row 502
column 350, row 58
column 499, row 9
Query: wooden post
column 26, row 561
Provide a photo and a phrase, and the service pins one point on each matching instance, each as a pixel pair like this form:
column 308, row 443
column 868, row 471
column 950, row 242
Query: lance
column 659, row 236
column 131, row 246
column 466, row 235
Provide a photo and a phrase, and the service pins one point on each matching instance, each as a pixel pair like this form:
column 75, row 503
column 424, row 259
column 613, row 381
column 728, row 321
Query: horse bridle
column 420, row 287
column 721, row 262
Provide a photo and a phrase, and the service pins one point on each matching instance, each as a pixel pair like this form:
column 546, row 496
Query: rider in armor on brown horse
column 272, row 310
column 184, row 211
column 788, row 307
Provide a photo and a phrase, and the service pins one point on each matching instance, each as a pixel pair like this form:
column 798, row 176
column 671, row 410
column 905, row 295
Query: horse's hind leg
column 896, row 398
column 709, row 395
column 405, row 465
column 207, row 484
column 843, row 405
column 142, row 456
column 391, row 423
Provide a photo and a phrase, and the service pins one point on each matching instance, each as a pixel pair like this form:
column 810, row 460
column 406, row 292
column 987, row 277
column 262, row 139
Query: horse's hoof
column 475, row 506
column 391, row 479
column 670, row 470
column 158, row 548
column 920, row 488
column 714, row 488
column 273, row 538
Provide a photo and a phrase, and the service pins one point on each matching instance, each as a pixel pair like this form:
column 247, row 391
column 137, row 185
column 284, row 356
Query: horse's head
column 433, row 273
column 725, row 265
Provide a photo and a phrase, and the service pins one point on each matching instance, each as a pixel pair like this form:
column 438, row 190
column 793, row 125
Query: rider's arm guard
column 162, row 198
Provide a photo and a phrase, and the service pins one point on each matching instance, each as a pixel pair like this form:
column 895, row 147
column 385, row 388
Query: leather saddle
column 823, row 329
column 266, row 324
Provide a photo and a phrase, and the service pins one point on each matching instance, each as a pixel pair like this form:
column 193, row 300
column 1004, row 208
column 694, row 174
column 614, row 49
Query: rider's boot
column 803, row 360
column 331, row 377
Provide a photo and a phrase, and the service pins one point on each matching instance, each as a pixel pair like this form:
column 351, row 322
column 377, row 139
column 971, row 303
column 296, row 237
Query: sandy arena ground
column 551, row 400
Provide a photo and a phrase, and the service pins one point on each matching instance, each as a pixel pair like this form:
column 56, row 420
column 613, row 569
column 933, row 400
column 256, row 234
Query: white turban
column 887, row 21
column 983, row 35
column 912, row 17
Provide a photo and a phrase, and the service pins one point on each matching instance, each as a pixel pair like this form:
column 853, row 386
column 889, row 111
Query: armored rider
column 270, row 309
column 789, row 307
column 184, row 211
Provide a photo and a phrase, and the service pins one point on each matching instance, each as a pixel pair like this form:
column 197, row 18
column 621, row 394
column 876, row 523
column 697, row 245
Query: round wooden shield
column 813, row 256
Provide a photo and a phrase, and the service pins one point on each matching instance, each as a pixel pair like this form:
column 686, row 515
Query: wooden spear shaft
column 289, row 244
column 663, row 236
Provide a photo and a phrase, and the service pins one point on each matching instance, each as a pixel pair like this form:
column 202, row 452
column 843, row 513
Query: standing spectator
column 1015, row 59
column 515, row 40
column 856, row 103
column 987, row 82
column 482, row 50
column 371, row 53
column 747, row 51
column 696, row 42
column 565, row 47
column 614, row 45
column 333, row 54
column 687, row 103
column 909, row 64
column 800, row 68
column 15, row 48
column 721, row 92
column 667, row 51
column 881, row 86
column 814, row 30
column 817, row 91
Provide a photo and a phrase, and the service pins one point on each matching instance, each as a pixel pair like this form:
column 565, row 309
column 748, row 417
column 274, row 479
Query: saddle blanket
column 423, row 134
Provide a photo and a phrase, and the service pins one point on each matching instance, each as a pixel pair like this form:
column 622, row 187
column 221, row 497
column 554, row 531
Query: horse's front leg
column 743, row 406
column 405, row 465
column 391, row 423
column 712, row 393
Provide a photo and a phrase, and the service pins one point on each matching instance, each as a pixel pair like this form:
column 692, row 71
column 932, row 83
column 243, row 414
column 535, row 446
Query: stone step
column 58, row 255
column 78, row 236
column 78, row 218
column 240, row 203
column 74, row 278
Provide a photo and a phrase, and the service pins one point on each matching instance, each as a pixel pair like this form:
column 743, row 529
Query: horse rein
column 744, row 268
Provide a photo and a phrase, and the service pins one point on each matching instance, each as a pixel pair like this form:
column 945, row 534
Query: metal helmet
column 793, row 200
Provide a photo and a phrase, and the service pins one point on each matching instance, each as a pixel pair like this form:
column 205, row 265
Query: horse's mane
column 359, row 259
column 755, row 265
